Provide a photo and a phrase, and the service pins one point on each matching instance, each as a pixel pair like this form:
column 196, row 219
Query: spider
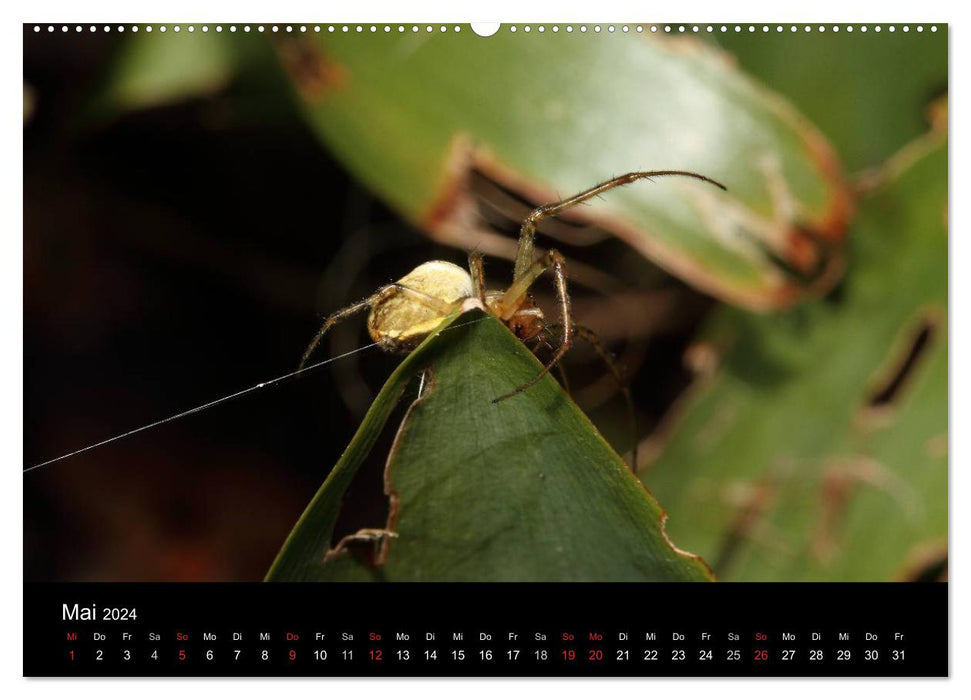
column 404, row 313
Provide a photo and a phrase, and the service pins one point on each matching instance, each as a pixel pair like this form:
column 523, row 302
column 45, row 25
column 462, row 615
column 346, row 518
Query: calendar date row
column 459, row 655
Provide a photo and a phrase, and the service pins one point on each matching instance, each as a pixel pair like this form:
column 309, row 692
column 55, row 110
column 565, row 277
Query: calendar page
column 544, row 349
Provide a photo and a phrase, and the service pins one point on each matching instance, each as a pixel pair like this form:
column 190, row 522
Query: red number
column 71, row 652
column 596, row 655
column 293, row 655
column 375, row 655
column 761, row 654
column 569, row 655
column 181, row 654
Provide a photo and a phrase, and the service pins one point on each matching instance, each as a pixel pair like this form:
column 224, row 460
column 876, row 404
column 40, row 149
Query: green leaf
column 238, row 71
column 522, row 490
column 152, row 69
column 877, row 85
column 817, row 450
column 412, row 115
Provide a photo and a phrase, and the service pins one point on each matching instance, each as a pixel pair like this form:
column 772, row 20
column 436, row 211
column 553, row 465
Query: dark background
column 181, row 253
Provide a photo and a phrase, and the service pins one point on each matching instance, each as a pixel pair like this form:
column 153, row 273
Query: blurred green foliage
column 152, row 69
column 817, row 450
column 866, row 91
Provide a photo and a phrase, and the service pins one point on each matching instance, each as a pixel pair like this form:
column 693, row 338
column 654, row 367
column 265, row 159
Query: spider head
column 527, row 322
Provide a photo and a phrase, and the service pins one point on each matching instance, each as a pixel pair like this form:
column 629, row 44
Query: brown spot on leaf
column 834, row 495
column 312, row 72
column 452, row 205
column 889, row 392
column 840, row 483
column 702, row 358
column 936, row 446
column 751, row 502
column 832, row 224
column 927, row 562
column 937, row 114
column 896, row 373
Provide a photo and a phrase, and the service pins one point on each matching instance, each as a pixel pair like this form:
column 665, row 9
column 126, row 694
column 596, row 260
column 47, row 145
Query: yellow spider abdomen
column 417, row 304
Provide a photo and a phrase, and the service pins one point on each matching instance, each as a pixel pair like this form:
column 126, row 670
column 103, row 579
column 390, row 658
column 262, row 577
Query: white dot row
column 669, row 29
column 724, row 29
column 246, row 28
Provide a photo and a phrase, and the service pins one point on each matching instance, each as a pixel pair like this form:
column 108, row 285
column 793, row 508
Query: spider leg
column 433, row 303
column 338, row 316
column 611, row 362
column 564, row 380
column 329, row 322
column 552, row 260
column 542, row 340
column 478, row 276
column 527, row 232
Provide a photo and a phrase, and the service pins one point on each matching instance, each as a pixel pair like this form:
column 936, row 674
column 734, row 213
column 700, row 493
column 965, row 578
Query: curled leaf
column 416, row 117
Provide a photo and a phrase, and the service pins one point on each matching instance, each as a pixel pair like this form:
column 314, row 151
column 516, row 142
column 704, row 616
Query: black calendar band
column 339, row 630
